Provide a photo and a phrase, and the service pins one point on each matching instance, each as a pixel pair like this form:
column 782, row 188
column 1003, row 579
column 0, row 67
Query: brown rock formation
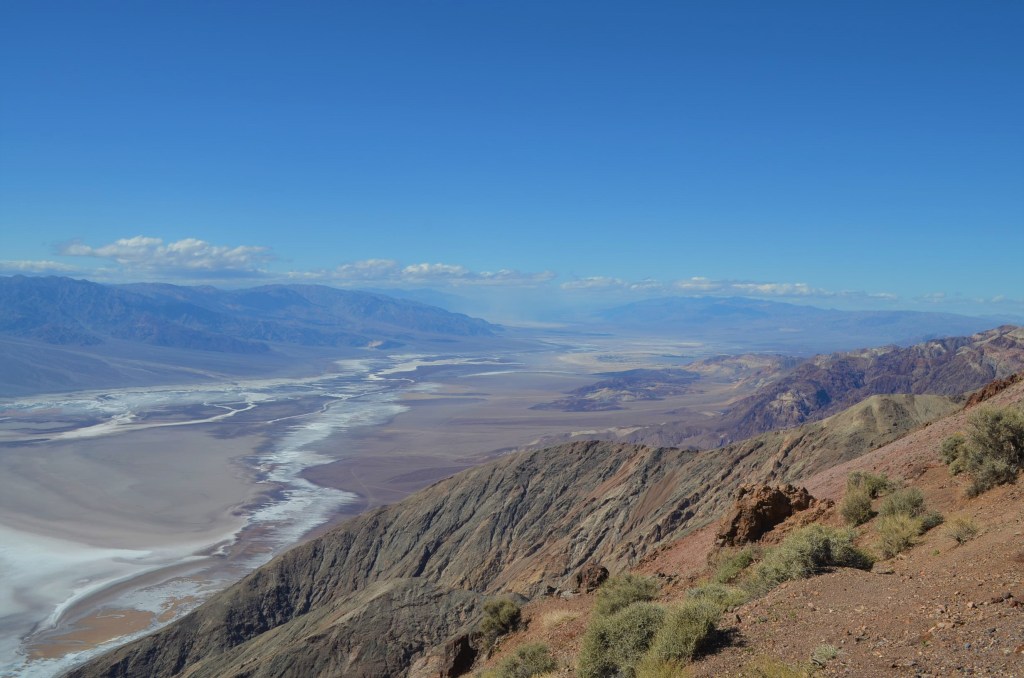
column 590, row 577
column 758, row 509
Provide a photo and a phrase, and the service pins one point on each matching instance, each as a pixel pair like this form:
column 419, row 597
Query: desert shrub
column 624, row 590
column 856, row 507
column 874, row 484
column 732, row 564
column 897, row 533
column 988, row 472
column 719, row 594
column 804, row 553
column 930, row 520
column 661, row 668
column 500, row 617
column 555, row 618
column 993, row 451
column 953, row 452
column 687, row 629
column 823, row 654
column 614, row 644
column 907, row 502
column 531, row 659
column 962, row 530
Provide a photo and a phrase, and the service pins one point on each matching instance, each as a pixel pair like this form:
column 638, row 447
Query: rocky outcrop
column 758, row 509
column 590, row 577
column 992, row 388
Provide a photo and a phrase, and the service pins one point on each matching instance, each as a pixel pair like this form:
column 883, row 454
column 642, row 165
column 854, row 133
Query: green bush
column 875, row 485
column 613, row 645
column 907, row 502
column 686, row 630
column 732, row 564
column 531, row 659
column 500, row 617
column 770, row 667
column 930, row 520
column 624, row 590
column 962, row 530
column 661, row 668
column 993, row 451
column 856, row 507
column 897, row 533
column 804, row 553
column 719, row 594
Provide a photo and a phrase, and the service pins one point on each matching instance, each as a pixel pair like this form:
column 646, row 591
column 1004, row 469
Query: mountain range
column 58, row 333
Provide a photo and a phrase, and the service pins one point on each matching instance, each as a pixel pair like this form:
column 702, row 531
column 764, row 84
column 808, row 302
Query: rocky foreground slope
column 383, row 590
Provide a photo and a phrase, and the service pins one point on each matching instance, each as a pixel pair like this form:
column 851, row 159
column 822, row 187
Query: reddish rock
column 758, row 509
column 590, row 577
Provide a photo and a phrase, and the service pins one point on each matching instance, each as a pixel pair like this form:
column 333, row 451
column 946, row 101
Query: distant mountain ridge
column 773, row 325
column 58, row 333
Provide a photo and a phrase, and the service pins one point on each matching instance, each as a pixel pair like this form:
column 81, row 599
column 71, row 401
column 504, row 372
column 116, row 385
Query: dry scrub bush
column 721, row 595
column 992, row 453
column 624, row 590
column 856, row 507
column 614, row 644
column 529, row 660
column 896, row 534
column 732, row 564
column 962, row 530
column 661, row 668
column 804, row 553
column 687, row 630
column 555, row 618
column 874, row 484
column 500, row 617
column 908, row 502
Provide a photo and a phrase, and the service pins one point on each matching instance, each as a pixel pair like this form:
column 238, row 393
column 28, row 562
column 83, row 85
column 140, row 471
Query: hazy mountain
column 58, row 333
column 771, row 325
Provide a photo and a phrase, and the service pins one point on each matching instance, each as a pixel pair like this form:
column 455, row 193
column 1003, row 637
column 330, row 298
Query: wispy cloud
column 187, row 257
column 388, row 272
column 36, row 267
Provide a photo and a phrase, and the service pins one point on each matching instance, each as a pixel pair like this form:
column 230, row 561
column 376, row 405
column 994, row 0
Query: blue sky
column 859, row 154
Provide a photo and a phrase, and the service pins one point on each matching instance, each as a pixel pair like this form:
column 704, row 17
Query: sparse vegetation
column 907, row 502
column 661, row 668
column 615, row 644
column 856, row 507
column 529, row 660
column 500, row 617
column 721, row 595
column 962, row 530
column 556, row 618
column 624, row 590
column 804, row 553
column 993, row 451
column 897, row 533
column 874, row 484
column 930, row 520
column 686, row 630
column 823, row 654
column 731, row 564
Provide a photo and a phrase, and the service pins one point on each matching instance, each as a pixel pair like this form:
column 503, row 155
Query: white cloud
column 39, row 267
column 187, row 257
column 388, row 272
